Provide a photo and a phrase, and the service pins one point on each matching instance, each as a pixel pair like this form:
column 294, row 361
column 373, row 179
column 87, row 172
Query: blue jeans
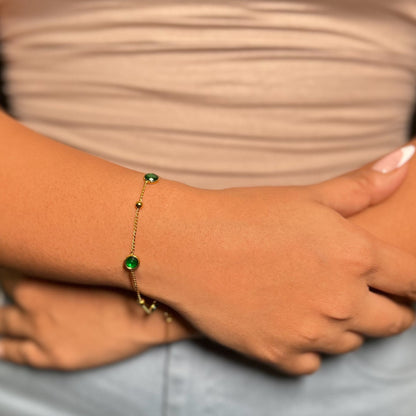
column 199, row 378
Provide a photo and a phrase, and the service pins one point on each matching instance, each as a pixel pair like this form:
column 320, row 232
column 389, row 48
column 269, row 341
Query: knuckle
column 305, row 364
column 348, row 345
column 275, row 356
column 396, row 327
column 309, row 334
column 360, row 254
column 342, row 308
column 354, row 345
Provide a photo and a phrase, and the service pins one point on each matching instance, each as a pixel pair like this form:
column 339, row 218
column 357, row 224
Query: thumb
column 356, row 190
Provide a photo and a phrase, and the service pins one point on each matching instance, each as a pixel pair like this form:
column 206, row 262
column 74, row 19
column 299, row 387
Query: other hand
column 70, row 327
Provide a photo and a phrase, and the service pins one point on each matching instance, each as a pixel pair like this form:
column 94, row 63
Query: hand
column 280, row 274
column 68, row 327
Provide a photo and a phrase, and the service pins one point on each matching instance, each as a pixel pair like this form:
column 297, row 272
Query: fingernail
column 395, row 159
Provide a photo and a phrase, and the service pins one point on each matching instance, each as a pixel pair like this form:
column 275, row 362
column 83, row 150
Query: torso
column 217, row 93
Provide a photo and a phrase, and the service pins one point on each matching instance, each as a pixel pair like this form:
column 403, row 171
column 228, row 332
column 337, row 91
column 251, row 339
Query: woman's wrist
column 171, row 215
column 68, row 215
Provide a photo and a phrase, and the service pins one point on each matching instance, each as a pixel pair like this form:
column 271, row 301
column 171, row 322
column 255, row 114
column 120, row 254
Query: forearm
column 394, row 220
column 215, row 257
column 69, row 215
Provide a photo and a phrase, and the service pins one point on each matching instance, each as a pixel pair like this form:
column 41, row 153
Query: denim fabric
column 199, row 378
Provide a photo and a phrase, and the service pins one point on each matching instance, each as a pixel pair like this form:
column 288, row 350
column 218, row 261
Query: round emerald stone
column 151, row 177
column 131, row 262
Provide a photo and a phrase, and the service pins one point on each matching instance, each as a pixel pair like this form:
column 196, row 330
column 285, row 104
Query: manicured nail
column 395, row 159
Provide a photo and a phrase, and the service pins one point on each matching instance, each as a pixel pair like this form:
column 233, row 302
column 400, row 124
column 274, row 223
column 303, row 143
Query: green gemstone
column 131, row 263
column 151, row 177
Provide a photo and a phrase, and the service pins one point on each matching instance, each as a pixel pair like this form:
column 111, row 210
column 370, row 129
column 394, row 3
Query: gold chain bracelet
column 132, row 262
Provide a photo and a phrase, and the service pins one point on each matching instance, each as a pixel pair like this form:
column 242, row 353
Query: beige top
column 216, row 93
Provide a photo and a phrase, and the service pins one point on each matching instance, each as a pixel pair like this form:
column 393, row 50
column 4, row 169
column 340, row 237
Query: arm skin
column 42, row 330
column 220, row 258
column 67, row 215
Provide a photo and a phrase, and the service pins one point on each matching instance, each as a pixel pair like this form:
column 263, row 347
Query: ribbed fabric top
column 216, row 93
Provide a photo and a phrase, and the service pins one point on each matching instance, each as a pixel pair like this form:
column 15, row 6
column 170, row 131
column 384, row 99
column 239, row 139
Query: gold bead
column 168, row 318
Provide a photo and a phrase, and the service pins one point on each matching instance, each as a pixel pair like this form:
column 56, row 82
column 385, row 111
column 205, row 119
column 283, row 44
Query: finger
column 13, row 322
column 353, row 192
column 346, row 342
column 394, row 271
column 22, row 352
column 302, row 364
column 382, row 317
